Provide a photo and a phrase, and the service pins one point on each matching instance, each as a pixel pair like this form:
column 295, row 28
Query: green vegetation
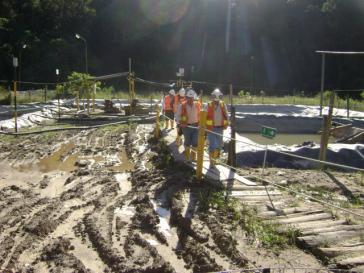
column 327, row 195
column 268, row 234
column 113, row 128
column 81, row 82
column 245, row 97
column 163, row 159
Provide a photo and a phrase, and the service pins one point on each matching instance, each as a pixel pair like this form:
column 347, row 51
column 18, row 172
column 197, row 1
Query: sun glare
column 162, row 12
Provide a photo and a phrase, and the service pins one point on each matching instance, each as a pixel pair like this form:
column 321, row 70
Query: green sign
column 268, row 132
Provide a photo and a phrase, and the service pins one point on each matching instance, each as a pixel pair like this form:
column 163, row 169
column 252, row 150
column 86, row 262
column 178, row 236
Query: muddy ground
column 113, row 200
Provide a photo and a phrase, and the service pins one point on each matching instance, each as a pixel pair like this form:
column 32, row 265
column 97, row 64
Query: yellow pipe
column 201, row 145
column 157, row 128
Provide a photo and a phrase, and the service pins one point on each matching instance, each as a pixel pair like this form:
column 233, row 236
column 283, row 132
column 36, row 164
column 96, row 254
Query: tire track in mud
column 145, row 220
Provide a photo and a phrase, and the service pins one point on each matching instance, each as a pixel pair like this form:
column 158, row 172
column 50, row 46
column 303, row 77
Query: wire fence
column 287, row 270
column 286, row 188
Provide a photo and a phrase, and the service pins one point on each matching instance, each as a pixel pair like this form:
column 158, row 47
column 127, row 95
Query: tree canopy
column 265, row 44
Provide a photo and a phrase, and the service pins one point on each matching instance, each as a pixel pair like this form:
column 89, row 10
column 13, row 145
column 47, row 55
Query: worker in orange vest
column 188, row 115
column 181, row 97
column 168, row 108
column 216, row 121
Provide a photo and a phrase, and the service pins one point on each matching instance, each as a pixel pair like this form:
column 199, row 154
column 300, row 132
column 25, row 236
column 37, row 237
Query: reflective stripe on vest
column 184, row 115
column 167, row 103
column 210, row 116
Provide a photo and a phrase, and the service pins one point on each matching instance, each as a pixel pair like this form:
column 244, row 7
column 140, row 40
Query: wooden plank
column 299, row 214
column 339, row 251
column 286, row 211
column 237, row 186
column 220, row 173
column 350, row 262
column 305, row 218
column 358, row 269
column 317, row 224
column 332, row 228
column 254, row 193
column 262, row 198
column 330, row 238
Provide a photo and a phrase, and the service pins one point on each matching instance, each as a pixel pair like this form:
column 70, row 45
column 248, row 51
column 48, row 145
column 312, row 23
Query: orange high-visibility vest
column 167, row 103
column 178, row 99
column 184, row 115
column 210, row 116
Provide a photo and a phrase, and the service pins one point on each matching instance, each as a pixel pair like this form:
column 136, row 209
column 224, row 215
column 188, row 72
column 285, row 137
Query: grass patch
column 241, row 98
column 266, row 234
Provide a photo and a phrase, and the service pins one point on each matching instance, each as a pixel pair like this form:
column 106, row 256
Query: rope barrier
column 153, row 83
column 287, row 188
column 284, row 153
column 76, row 127
column 104, row 77
column 292, row 155
column 283, row 270
column 296, row 192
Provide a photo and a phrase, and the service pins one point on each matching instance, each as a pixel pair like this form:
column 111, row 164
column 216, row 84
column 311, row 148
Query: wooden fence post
column 157, row 131
column 232, row 143
column 326, row 130
column 45, row 94
column 201, row 145
column 347, row 106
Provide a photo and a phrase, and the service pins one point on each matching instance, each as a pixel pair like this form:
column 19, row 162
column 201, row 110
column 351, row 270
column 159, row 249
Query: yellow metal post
column 58, row 97
column 157, row 131
column 201, row 145
column 88, row 100
column 131, row 92
column 15, row 109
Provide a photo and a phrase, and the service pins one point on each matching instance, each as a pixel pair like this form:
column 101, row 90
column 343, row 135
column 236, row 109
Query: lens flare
column 162, row 12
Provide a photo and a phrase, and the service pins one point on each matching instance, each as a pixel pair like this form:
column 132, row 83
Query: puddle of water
column 283, row 139
column 55, row 161
column 152, row 242
column 164, row 215
column 125, row 164
column 125, row 212
column 124, row 183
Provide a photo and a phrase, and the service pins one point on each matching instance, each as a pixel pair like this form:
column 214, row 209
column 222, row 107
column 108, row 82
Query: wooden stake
column 157, row 131
column 326, row 130
column 201, row 145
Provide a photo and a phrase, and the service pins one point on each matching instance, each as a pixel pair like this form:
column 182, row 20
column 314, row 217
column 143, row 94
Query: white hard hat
column 172, row 92
column 182, row 92
column 191, row 93
column 217, row 93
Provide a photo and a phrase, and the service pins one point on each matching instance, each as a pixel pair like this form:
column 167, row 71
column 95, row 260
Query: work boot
column 193, row 153
column 187, row 153
column 216, row 155
column 178, row 140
